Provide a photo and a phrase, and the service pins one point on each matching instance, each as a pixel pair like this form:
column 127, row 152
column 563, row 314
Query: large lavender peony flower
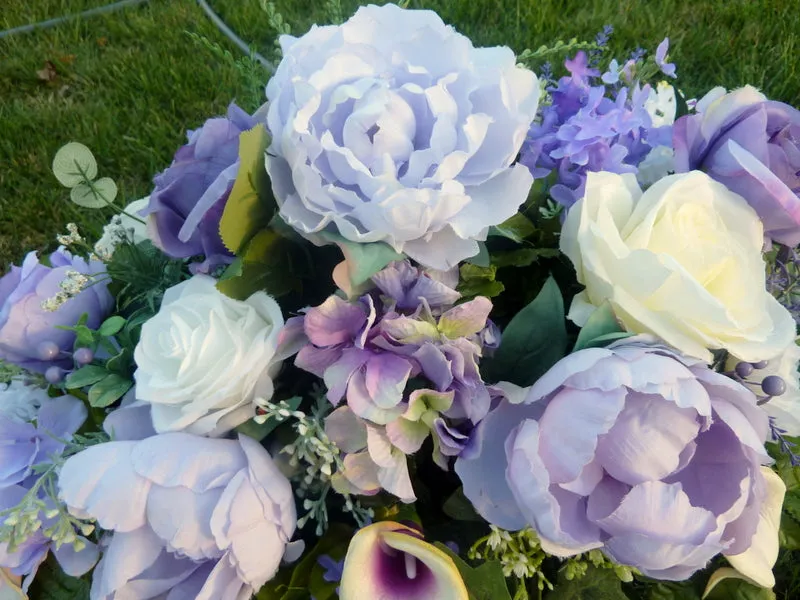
column 199, row 518
column 752, row 145
column 186, row 205
column 392, row 127
column 634, row 449
column 28, row 334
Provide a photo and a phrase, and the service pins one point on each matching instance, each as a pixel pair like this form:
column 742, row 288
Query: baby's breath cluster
column 72, row 237
column 575, row 567
column 73, row 284
column 520, row 554
column 317, row 458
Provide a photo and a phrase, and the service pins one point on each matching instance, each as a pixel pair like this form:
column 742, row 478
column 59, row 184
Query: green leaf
column 233, row 270
column 738, row 589
column 259, row 431
column 98, row 195
column 266, row 266
column 517, row 228
column 789, row 533
column 485, row 582
column 534, row 340
column 70, row 160
column 458, row 507
column 672, row 590
column 482, row 258
column 361, row 261
column 122, row 363
column 88, row 375
column 250, row 205
column 602, row 327
column 111, row 326
column 596, row 584
column 51, row 583
column 108, row 390
column 479, row 281
column 681, row 108
column 522, row 257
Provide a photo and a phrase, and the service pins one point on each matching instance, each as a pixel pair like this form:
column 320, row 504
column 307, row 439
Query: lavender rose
column 28, row 334
column 392, row 127
column 752, row 145
column 189, row 197
column 634, row 449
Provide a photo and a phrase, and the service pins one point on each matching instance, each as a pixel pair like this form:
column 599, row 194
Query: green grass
column 128, row 85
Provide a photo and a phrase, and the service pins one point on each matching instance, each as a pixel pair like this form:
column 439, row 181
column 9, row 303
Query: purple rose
column 634, row 449
column 752, row 145
column 28, row 334
column 187, row 203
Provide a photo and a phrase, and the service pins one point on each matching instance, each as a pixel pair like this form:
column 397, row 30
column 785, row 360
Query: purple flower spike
column 661, row 56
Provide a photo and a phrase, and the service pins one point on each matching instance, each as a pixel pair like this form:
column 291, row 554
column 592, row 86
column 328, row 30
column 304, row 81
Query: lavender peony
column 634, row 449
column 28, row 334
column 186, row 205
column 752, row 145
column 199, row 518
column 392, row 127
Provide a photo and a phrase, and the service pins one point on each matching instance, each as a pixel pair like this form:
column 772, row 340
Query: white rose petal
column 681, row 261
column 205, row 357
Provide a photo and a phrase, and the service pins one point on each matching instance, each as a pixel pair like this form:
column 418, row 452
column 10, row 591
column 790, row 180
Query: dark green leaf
column 516, row 228
column 485, row 582
column 738, row 589
column 602, row 327
column 84, row 376
column 596, row 584
column 83, row 336
column 122, row 363
column 250, row 205
column 673, row 590
column 458, row 507
column 233, row 270
column 534, row 340
column 260, row 431
column 522, row 257
column 789, row 533
column 51, row 583
column 111, row 326
column 681, row 108
column 479, row 281
column 481, row 259
column 791, row 504
column 108, row 390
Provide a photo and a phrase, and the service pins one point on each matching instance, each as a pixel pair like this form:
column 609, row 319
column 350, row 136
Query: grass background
column 129, row 84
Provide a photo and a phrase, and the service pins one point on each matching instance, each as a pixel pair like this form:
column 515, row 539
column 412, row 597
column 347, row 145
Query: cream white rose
column 784, row 409
column 681, row 261
column 204, row 358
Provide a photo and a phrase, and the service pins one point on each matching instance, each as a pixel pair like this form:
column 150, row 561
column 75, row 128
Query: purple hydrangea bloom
column 199, row 518
column 752, row 145
column 26, row 329
column 22, row 446
column 189, row 198
column 368, row 350
column 589, row 127
column 634, row 449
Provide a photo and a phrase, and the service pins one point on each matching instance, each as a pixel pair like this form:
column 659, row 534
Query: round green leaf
column 74, row 163
column 105, row 190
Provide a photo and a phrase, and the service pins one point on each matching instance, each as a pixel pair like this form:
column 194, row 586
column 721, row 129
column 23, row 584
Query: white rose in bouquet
column 204, row 358
column 682, row 261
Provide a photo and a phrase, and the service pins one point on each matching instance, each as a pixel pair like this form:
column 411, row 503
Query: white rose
column 20, row 402
column 204, row 358
column 681, row 261
column 784, row 409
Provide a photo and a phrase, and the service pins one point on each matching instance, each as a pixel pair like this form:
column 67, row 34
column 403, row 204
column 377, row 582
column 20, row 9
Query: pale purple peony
column 28, row 334
column 22, row 446
column 186, row 205
column 752, row 145
column 191, row 517
column 392, row 127
column 633, row 449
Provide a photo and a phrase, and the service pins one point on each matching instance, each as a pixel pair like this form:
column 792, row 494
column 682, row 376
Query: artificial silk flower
column 392, row 561
column 681, row 260
column 392, row 127
column 204, row 358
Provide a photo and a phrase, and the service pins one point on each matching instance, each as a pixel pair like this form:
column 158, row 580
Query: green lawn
column 129, row 84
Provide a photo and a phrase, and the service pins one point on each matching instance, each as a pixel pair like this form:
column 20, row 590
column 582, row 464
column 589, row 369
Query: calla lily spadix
column 391, row 561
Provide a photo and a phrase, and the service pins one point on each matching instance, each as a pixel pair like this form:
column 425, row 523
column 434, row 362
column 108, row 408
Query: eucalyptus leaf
column 83, row 195
column 108, row 390
column 485, row 582
column 106, row 188
column 250, row 205
column 88, row 375
column 111, row 326
column 73, row 164
column 534, row 340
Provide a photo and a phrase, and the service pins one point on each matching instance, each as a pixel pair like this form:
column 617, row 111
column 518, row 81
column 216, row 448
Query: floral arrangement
column 433, row 323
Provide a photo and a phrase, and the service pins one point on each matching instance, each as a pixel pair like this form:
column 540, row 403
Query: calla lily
column 391, row 561
column 757, row 561
column 10, row 586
